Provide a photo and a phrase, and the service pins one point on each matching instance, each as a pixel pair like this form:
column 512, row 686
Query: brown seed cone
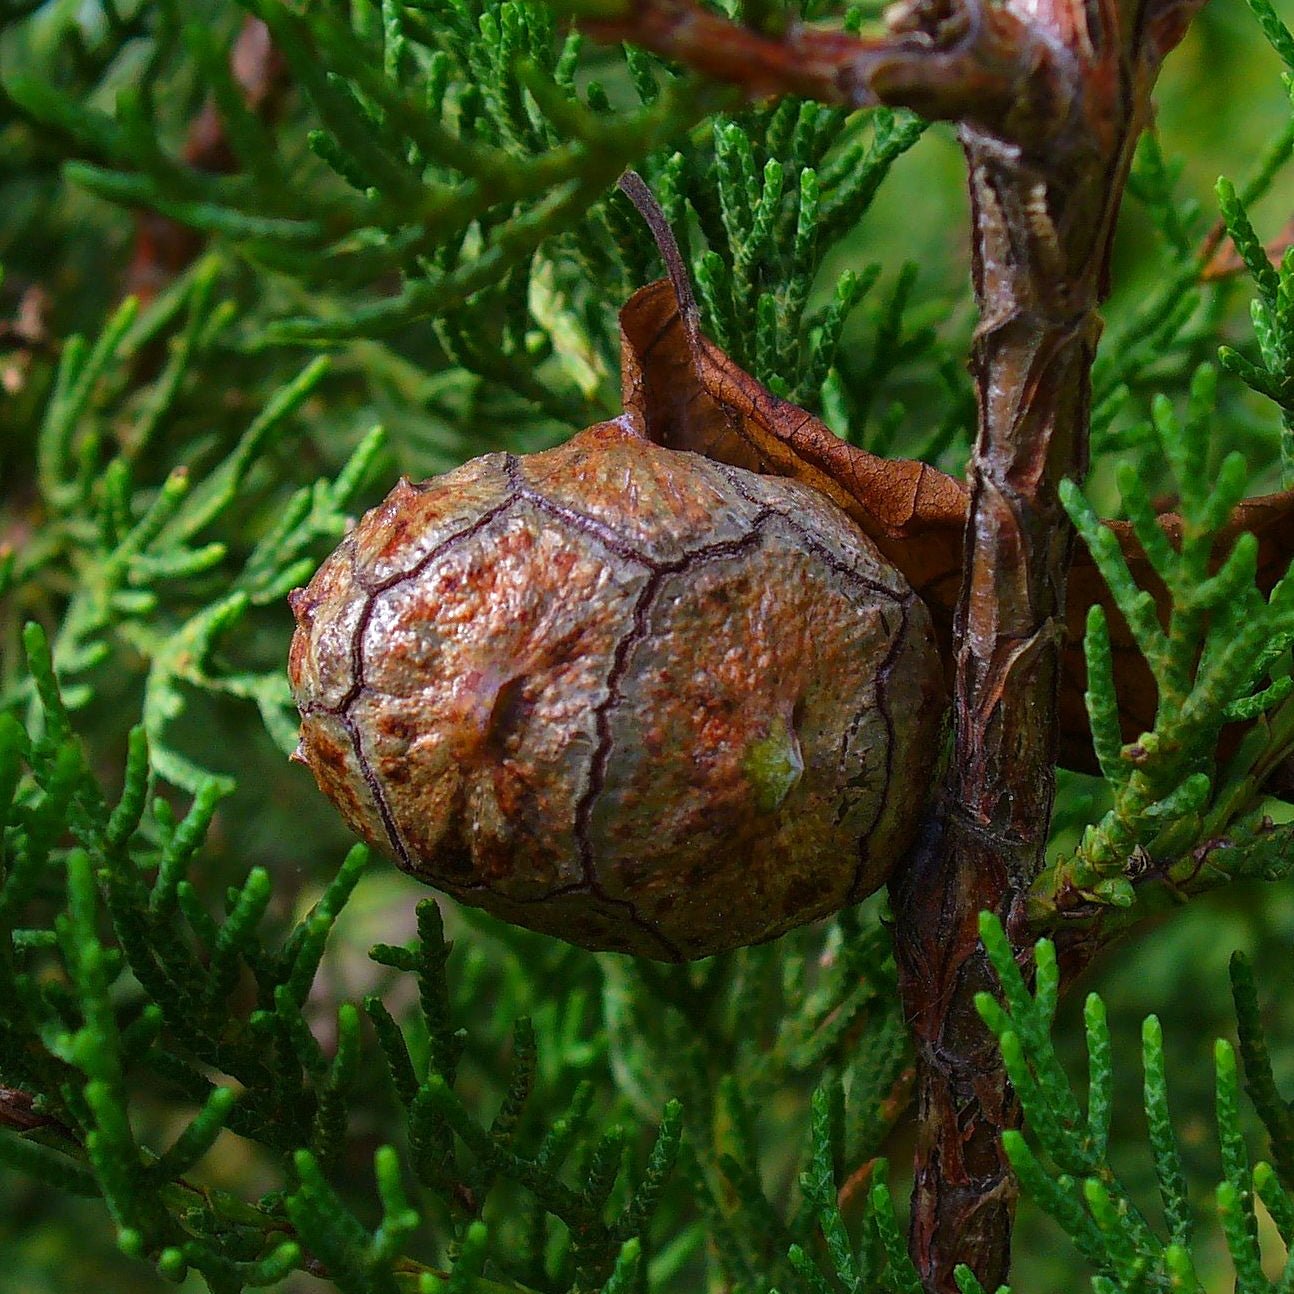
column 621, row 694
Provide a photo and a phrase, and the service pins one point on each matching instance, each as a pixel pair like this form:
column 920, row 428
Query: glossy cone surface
column 621, row 694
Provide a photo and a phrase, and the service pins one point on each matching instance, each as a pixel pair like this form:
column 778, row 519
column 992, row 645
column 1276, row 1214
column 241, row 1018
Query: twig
column 970, row 62
column 1225, row 263
column 18, row 1112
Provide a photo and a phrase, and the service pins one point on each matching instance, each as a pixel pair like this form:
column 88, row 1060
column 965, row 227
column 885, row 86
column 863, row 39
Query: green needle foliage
column 134, row 981
column 1186, row 808
column 122, row 984
column 1221, row 658
column 137, row 549
column 1064, row 1166
column 405, row 248
column 465, row 151
column 1272, row 310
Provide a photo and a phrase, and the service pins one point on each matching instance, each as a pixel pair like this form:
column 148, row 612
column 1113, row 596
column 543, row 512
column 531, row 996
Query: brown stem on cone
column 1050, row 96
column 636, row 189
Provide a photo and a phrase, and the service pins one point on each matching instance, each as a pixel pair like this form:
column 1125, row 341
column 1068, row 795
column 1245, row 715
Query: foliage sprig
column 1216, row 655
column 1065, row 1169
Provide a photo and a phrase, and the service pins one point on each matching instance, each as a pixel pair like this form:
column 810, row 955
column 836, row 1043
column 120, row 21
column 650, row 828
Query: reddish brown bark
column 1044, row 207
column 1040, row 242
column 1050, row 96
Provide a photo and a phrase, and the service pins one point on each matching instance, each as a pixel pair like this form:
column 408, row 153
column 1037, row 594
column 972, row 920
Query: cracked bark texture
column 1049, row 97
column 1044, row 205
column 1040, row 248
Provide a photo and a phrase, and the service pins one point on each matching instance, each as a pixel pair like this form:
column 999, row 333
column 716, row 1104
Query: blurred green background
column 1221, row 101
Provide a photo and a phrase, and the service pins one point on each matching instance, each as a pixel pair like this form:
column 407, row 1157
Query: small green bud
column 774, row 765
column 1117, row 891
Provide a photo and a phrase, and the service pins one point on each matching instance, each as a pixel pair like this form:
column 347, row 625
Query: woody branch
column 1049, row 97
column 972, row 63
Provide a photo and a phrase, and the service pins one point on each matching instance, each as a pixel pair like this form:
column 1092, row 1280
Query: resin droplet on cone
column 621, row 694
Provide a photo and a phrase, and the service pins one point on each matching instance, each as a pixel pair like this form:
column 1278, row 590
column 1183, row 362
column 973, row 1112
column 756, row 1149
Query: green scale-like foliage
column 188, row 1043
column 1065, row 1167
column 1221, row 658
column 1187, row 809
column 147, row 576
column 122, row 982
column 465, row 151
column 131, row 985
